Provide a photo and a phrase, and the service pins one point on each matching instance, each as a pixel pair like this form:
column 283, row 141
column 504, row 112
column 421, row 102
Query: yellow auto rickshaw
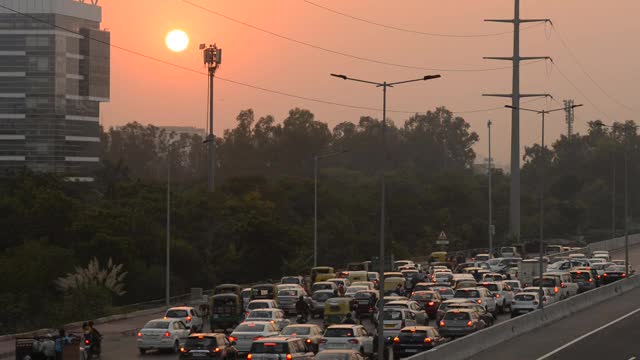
column 228, row 289
column 226, row 311
column 391, row 283
column 264, row 291
column 440, row 256
column 336, row 310
column 322, row 273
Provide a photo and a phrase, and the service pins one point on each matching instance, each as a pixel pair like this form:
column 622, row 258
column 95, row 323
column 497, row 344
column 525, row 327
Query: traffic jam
column 333, row 314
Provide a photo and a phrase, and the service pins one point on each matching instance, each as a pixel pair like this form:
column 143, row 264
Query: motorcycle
column 90, row 349
column 301, row 319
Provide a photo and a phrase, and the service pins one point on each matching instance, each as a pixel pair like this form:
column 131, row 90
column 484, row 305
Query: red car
column 429, row 300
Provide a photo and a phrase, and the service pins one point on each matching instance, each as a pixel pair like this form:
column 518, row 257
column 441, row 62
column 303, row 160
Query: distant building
column 52, row 82
column 189, row 130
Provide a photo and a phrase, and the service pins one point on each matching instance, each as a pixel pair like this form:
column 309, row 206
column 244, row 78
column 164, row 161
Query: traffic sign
column 442, row 239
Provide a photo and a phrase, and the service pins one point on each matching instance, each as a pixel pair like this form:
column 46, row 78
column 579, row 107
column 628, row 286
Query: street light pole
column 490, row 196
column 315, row 202
column 168, row 250
column 542, row 186
column 384, row 85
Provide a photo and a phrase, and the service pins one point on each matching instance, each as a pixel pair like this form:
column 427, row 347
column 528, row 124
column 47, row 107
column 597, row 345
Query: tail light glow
column 556, row 290
column 563, row 285
column 470, row 323
column 139, row 334
column 590, row 280
column 428, row 340
column 479, row 301
column 624, row 275
column 258, row 338
column 249, row 356
column 497, row 296
column 431, row 303
column 441, row 323
column 183, row 350
column 308, row 341
column 233, row 338
column 216, row 350
column 188, row 318
column 167, row 334
column 289, row 357
column 354, row 341
column 87, row 342
column 396, row 340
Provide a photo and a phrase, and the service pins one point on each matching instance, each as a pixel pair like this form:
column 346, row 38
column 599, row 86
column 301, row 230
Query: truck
column 528, row 270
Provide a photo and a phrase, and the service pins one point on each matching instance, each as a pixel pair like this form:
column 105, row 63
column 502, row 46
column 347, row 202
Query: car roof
column 180, row 308
column 418, row 328
column 339, row 351
column 278, row 338
column 344, row 326
column 457, row 300
column 267, row 309
column 462, row 310
column 207, row 335
column 527, row 293
column 302, row 325
column 257, row 322
column 262, row 300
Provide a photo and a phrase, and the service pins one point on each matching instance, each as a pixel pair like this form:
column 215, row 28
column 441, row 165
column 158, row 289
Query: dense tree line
column 258, row 223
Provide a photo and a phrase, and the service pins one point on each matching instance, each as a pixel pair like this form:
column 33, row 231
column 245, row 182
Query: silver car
column 275, row 316
column 318, row 299
column 246, row 333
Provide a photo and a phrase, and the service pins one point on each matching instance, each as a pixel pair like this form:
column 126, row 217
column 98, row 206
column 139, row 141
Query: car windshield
column 290, row 280
column 338, row 332
column 355, row 289
column 615, row 268
column 288, row 293
column 269, row 348
column 422, row 296
column 249, row 328
column 409, row 334
column 372, row 277
column 393, row 315
column 524, row 297
column 513, row 284
column 322, row 286
column 200, row 343
column 492, row 287
column 580, row 276
column 177, row 314
column 258, row 305
column 546, row 282
column 321, row 296
column 445, row 290
column 260, row 314
column 296, row 330
column 456, row 315
column 467, row 294
column 157, row 325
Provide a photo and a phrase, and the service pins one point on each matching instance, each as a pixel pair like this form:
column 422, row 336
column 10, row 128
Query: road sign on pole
column 442, row 239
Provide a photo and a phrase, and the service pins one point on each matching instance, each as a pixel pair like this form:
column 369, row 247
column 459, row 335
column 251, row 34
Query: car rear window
column 291, row 280
column 338, row 332
column 260, row 314
column 177, row 313
column 467, row 294
column 296, row 330
column 270, row 348
column 249, row 328
column 492, row 287
column 321, row 296
column 393, row 315
column 259, row 305
column 422, row 296
column 157, row 325
column 580, row 276
column 445, row 290
column 363, row 295
column 198, row 343
column 408, row 334
column 524, row 297
column 322, row 287
column 546, row 282
column 288, row 293
column 455, row 315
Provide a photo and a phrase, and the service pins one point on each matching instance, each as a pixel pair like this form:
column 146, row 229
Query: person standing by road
column 62, row 340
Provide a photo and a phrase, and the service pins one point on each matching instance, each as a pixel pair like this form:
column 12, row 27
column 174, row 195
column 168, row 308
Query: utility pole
column 569, row 116
column 489, row 171
column 212, row 59
column 514, row 202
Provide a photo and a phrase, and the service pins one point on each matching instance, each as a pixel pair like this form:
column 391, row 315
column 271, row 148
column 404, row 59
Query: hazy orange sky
column 604, row 36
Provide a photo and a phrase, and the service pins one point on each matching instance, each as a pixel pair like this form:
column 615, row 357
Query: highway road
column 590, row 334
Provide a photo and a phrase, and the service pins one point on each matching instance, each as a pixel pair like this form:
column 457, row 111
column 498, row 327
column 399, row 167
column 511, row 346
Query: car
column 568, row 288
column 416, row 339
column 338, row 281
column 423, row 286
column 502, row 292
column 598, row 260
column 400, row 263
column 584, row 278
column 339, row 355
column 515, row 285
column 261, row 304
column 460, row 322
column 483, row 257
column 421, row 315
column 508, row 251
column 162, row 334
column 446, row 293
column 352, row 290
column 614, row 273
column 280, row 347
column 323, row 285
column 548, row 293
column 374, row 277
column 249, row 331
column 287, row 299
column 275, row 316
column 318, row 299
column 442, row 277
column 245, row 294
column 345, row 336
column 395, row 319
column 297, row 280
column 566, row 265
column 188, row 315
column 526, row 302
column 480, row 295
column 310, row 333
column 493, row 277
column 444, row 306
column 365, row 302
column 429, row 300
column 488, row 318
column 208, row 346
column 370, row 285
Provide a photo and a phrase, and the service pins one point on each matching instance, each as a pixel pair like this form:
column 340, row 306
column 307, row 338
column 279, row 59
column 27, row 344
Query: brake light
column 354, row 341
column 562, row 285
column 396, row 340
column 233, row 338
column 249, row 356
column 431, row 303
column 624, row 275
column 441, row 323
column 497, row 296
column 217, row 350
column 188, row 318
column 167, row 334
column 470, row 323
column 605, row 275
column 139, row 334
column 590, row 280
column 308, row 341
column 182, row 350
column 87, row 342
column 289, row 357
column 428, row 340
column 479, row 301
column 258, row 338
column 556, row 290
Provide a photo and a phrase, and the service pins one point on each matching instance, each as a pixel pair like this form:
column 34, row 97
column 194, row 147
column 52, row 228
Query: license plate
column 390, row 326
column 411, row 350
column 199, row 354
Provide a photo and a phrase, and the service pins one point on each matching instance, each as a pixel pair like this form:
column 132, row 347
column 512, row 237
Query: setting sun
column 177, row 40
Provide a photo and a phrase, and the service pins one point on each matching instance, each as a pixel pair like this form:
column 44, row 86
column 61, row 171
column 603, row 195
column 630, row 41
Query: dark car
column 416, row 339
column 613, row 273
column 460, row 322
column 429, row 300
column 208, row 346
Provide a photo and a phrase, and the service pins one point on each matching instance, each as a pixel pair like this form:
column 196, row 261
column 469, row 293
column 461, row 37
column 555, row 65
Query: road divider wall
column 470, row 345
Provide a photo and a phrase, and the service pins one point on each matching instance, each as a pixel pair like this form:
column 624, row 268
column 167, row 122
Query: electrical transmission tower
column 514, row 212
column 569, row 116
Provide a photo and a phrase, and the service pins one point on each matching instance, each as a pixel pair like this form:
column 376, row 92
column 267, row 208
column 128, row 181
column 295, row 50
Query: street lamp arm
column 523, row 109
column 345, row 77
column 424, row 78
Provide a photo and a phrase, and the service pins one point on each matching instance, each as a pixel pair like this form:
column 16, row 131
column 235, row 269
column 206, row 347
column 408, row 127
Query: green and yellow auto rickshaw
column 336, row 310
column 226, row 311
column 227, row 289
column 264, row 291
column 322, row 273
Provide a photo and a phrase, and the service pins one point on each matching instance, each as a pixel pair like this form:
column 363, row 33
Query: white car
column 480, row 295
column 353, row 289
column 396, row 319
column 446, row 292
column 188, row 315
column 275, row 316
column 261, row 304
column 246, row 333
column 369, row 284
column 420, row 314
column 502, row 292
column 162, row 334
column 548, row 293
column 353, row 337
column 482, row 257
column 525, row 302
column 516, row 286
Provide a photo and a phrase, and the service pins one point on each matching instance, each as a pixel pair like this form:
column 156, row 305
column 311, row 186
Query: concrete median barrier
column 467, row 346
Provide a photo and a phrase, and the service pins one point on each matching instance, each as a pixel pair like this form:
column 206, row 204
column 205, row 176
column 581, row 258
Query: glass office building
column 54, row 73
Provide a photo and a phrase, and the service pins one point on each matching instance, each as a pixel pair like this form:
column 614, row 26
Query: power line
column 391, row 27
column 198, row 72
column 335, row 52
column 584, row 71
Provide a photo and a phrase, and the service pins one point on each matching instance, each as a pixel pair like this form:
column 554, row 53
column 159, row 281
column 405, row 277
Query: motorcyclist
column 95, row 338
column 349, row 319
column 302, row 308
